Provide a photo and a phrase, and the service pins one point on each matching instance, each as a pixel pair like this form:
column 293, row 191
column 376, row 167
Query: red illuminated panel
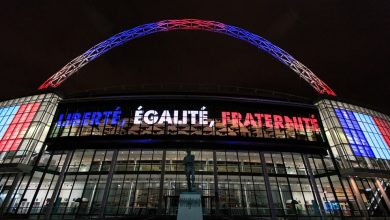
column 384, row 128
column 18, row 127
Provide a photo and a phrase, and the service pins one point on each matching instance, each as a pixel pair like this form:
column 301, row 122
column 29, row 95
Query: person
column 190, row 170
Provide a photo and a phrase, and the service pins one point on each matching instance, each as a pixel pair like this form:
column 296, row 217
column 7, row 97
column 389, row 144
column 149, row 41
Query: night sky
column 346, row 43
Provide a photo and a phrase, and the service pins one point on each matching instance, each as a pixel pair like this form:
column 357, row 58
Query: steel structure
column 187, row 24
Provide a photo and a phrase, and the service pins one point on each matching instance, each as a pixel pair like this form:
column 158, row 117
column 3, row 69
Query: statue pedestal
column 190, row 206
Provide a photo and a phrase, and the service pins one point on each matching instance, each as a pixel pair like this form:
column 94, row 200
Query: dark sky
column 346, row 43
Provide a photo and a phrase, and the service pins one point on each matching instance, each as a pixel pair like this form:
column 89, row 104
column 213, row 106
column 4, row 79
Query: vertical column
column 383, row 192
column 268, row 186
column 58, row 185
column 313, row 184
column 216, row 190
column 359, row 199
column 108, row 183
column 7, row 199
column 160, row 195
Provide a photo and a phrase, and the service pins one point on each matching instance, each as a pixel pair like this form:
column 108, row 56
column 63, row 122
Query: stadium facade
column 106, row 156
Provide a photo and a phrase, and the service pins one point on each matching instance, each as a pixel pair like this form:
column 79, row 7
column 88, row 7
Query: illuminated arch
column 187, row 24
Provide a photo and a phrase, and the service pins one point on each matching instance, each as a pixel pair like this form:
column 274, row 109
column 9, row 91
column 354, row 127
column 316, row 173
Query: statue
column 190, row 170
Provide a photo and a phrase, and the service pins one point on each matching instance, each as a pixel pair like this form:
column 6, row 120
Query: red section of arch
column 384, row 128
column 18, row 127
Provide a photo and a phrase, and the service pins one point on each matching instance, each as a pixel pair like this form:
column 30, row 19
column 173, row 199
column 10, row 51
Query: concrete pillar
column 383, row 193
column 57, row 187
column 268, row 187
column 10, row 193
column 358, row 197
column 160, row 195
column 215, row 171
column 313, row 184
column 108, row 183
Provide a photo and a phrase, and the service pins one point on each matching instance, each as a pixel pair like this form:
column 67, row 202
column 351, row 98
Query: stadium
column 119, row 154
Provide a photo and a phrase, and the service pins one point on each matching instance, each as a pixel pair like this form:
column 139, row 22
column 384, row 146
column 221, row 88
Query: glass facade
column 24, row 124
column 85, row 167
column 358, row 138
column 149, row 181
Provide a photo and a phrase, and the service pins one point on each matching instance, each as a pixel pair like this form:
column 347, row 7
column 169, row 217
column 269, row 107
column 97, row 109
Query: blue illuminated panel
column 363, row 134
column 354, row 133
column 6, row 116
column 373, row 135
